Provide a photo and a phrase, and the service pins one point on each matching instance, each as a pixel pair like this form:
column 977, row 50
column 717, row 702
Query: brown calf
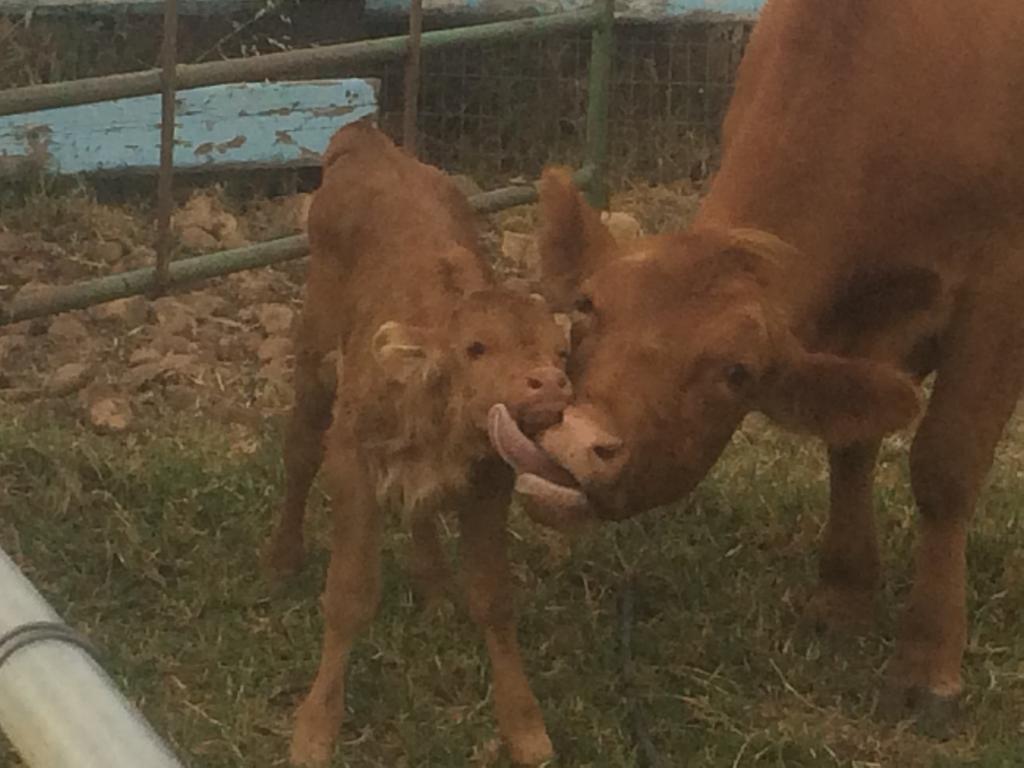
column 408, row 356
column 865, row 230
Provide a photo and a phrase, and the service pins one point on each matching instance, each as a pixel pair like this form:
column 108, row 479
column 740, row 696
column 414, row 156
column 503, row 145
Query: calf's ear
column 573, row 242
column 402, row 352
column 841, row 400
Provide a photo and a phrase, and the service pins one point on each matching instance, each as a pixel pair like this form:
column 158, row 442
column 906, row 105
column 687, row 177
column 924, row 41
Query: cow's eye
column 738, row 376
column 475, row 350
column 585, row 305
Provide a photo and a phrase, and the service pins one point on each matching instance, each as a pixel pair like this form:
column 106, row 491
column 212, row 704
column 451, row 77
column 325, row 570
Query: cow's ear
column 841, row 400
column 573, row 241
column 403, row 352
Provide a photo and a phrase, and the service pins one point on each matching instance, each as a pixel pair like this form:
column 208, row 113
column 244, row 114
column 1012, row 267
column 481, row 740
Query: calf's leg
column 428, row 567
column 488, row 585
column 979, row 380
column 849, row 564
column 350, row 601
column 303, row 453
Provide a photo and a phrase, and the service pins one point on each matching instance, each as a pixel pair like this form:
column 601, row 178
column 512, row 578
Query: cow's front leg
column 978, row 383
column 849, row 564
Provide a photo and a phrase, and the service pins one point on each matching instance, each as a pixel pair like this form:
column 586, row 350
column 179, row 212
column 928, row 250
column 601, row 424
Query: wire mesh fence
column 498, row 109
column 493, row 110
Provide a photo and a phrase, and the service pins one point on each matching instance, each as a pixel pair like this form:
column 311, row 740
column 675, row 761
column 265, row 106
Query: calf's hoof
column 531, row 748
column 283, row 557
column 432, row 590
column 935, row 715
column 841, row 612
column 309, row 755
column 313, row 739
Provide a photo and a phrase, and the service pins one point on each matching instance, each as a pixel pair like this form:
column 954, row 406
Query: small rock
column 67, row 379
column 10, row 346
column 276, row 319
column 67, row 328
column 521, row 250
column 252, row 286
column 140, row 256
column 110, row 414
column 173, row 316
column 466, row 185
column 623, row 226
column 196, row 239
column 108, row 252
column 133, row 311
column 203, row 224
column 167, row 366
column 181, row 397
column 33, row 291
column 144, row 355
column 205, row 304
column 11, row 243
column 231, row 237
column 166, row 343
column 275, row 348
column 297, row 208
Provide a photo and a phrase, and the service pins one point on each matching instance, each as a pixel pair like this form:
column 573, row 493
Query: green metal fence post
column 601, row 45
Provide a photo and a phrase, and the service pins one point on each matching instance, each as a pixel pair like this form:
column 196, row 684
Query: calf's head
column 674, row 340
column 498, row 365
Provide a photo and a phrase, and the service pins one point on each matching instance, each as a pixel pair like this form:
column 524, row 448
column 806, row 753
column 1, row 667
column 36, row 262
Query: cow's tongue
column 520, row 452
column 551, row 495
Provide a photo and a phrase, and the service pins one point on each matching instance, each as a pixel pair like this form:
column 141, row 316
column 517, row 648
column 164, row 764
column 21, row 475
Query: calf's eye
column 475, row 350
column 738, row 375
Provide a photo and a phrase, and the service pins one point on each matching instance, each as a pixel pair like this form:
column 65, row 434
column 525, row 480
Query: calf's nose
column 545, row 394
column 549, row 382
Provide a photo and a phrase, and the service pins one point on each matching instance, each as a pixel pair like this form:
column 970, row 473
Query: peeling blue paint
column 241, row 125
column 625, row 8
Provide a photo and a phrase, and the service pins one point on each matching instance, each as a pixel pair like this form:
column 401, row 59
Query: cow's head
column 498, row 365
column 675, row 339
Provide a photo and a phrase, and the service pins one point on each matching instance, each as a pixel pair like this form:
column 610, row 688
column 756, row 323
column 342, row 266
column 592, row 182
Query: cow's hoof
column 935, row 715
column 283, row 557
column 841, row 612
column 531, row 748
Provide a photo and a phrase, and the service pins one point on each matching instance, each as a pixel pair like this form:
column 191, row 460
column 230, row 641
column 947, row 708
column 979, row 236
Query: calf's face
column 499, row 361
column 674, row 341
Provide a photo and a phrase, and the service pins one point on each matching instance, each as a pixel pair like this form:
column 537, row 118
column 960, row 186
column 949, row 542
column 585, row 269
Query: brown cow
column 430, row 356
column 864, row 230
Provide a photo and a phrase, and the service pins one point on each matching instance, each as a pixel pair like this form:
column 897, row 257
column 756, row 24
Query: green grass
column 150, row 544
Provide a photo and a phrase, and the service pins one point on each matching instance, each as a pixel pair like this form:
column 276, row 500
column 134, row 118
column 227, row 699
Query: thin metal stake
column 412, row 78
column 165, row 184
column 599, row 86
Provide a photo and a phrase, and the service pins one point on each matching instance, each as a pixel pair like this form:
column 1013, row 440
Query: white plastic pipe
column 57, row 706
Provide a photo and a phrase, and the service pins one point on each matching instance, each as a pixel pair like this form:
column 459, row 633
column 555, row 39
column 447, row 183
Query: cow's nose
column 593, row 455
column 607, row 449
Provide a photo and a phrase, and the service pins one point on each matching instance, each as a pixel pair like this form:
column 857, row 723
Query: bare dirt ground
column 223, row 347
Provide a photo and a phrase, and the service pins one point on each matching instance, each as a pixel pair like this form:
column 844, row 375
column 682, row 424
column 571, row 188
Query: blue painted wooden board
column 625, row 8
column 222, row 126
